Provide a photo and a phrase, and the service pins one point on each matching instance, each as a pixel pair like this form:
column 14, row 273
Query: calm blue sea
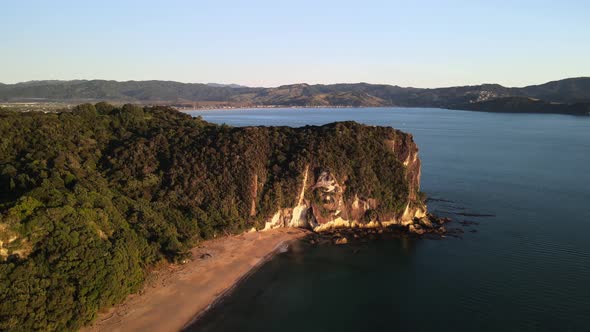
column 525, row 266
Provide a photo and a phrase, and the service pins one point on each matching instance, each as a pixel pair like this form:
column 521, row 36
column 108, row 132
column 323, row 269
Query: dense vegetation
column 526, row 105
column 91, row 198
column 567, row 91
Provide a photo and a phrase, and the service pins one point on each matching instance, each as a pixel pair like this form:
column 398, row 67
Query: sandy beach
column 174, row 295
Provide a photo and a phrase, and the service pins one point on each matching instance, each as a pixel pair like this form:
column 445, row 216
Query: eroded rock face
column 7, row 240
column 323, row 204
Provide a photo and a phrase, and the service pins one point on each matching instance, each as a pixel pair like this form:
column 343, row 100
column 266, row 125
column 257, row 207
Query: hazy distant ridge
column 567, row 91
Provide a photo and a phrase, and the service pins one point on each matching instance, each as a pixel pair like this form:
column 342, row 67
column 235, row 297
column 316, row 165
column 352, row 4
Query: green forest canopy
column 90, row 198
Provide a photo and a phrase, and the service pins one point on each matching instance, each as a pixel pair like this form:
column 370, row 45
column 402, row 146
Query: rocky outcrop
column 324, row 203
column 9, row 245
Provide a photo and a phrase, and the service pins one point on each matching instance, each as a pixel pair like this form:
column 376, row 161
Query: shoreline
column 262, row 107
column 175, row 296
column 219, row 299
column 237, row 108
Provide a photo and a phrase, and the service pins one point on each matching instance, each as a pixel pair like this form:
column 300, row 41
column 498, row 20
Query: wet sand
column 175, row 295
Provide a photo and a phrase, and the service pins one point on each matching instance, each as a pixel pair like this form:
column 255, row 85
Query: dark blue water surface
column 524, row 268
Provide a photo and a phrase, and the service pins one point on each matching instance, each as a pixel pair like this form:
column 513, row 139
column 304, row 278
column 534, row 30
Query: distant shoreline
column 184, row 110
column 503, row 105
column 559, row 109
column 262, row 107
column 565, row 96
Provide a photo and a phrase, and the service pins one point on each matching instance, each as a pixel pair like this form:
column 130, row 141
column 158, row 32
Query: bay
column 520, row 185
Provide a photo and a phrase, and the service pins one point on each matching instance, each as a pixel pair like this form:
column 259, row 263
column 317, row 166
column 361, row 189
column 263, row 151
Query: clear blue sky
column 269, row 43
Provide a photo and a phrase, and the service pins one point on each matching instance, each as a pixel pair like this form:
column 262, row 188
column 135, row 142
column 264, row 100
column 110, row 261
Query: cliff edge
column 324, row 200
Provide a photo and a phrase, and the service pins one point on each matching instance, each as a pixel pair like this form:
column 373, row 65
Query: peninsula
column 96, row 197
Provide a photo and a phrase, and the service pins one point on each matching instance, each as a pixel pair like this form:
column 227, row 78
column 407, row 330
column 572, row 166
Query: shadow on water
column 306, row 281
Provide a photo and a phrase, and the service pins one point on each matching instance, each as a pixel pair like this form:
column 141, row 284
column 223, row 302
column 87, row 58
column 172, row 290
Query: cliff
column 322, row 203
column 91, row 198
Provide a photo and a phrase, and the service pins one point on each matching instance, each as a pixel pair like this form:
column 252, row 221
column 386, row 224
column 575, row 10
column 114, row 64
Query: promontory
column 94, row 197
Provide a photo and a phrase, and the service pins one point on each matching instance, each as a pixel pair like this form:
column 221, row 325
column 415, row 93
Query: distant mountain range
column 235, row 86
column 571, row 96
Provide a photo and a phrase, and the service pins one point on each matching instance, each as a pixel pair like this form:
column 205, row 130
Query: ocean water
column 523, row 265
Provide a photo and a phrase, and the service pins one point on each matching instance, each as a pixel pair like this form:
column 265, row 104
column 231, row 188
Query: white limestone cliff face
column 321, row 204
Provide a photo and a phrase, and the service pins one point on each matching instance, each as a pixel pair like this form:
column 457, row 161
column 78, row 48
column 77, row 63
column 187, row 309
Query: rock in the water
column 425, row 222
column 341, row 240
column 416, row 229
column 444, row 220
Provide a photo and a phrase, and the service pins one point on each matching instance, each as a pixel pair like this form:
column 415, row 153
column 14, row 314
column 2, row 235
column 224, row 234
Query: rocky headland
column 97, row 196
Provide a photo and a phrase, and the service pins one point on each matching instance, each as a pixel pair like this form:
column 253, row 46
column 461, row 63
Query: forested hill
column 567, row 91
column 526, row 105
column 90, row 198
